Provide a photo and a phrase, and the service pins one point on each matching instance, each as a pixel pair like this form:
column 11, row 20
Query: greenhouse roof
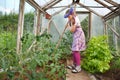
column 102, row 8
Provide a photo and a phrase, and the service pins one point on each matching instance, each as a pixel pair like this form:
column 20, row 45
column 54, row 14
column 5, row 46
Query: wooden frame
column 20, row 25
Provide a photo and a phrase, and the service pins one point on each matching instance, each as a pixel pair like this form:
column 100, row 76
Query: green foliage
column 9, row 22
column 98, row 56
column 27, row 40
column 43, row 54
column 7, row 41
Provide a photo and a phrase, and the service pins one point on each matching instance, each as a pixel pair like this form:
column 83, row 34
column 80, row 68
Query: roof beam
column 87, row 6
column 112, row 2
column 82, row 5
column 61, row 10
column 50, row 5
column 100, row 2
column 35, row 5
column 112, row 14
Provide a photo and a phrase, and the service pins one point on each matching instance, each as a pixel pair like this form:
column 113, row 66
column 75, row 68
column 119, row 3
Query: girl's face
column 69, row 17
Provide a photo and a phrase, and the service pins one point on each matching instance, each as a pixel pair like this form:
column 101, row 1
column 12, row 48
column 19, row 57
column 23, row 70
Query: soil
column 112, row 74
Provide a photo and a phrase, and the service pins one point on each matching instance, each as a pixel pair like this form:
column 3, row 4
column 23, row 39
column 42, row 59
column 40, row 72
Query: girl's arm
column 73, row 27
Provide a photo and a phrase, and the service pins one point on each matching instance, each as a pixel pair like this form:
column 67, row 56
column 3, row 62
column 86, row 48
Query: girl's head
column 69, row 13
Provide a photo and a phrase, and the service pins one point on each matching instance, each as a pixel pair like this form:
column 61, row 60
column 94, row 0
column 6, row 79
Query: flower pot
column 48, row 16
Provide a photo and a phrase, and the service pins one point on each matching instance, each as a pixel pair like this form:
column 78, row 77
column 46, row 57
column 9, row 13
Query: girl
column 78, row 43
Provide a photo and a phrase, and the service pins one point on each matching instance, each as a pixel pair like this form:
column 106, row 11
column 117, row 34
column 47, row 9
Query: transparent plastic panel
column 63, row 3
column 44, row 23
column 112, row 38
column 53, row 10
column 60, row 21
column 54, row 32
column 117, row 26
column 90, row 3
column 101, row 11
column 42, row 2
column 97, row 27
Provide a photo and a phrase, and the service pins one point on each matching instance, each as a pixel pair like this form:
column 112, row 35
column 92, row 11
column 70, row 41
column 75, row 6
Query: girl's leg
column 77, row 57
column 77, row 62
column 74, row 59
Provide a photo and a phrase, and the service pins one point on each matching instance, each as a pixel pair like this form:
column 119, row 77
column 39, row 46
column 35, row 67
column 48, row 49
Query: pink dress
column 78, row 43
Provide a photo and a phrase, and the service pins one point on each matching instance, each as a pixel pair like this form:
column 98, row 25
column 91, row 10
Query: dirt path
column 77, row 76
column 83, row 75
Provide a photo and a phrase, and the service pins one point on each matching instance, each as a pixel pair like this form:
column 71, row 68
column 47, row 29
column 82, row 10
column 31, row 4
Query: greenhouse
column 37, row 39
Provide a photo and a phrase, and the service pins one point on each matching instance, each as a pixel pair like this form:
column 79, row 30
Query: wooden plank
column 20, row 25
column 112, row 2
column 100, row 2
column 89, row 9
column 61, row 10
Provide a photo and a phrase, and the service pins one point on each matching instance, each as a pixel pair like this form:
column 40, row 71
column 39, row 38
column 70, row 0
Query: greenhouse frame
column 114, row 11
